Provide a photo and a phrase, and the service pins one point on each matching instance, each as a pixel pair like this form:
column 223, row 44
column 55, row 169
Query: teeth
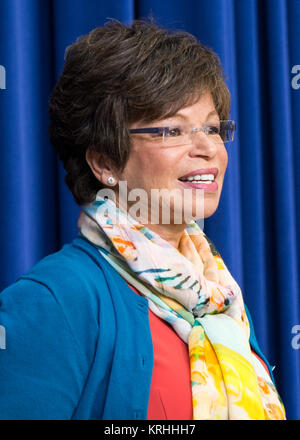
column 202, row 177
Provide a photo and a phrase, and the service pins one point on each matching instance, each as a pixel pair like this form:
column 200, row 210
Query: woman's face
column 153, row 165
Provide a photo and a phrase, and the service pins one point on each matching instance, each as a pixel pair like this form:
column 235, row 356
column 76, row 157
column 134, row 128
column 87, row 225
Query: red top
column 170, row 393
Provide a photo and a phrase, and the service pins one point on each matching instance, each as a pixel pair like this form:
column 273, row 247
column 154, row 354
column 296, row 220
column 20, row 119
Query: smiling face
column 153, row 165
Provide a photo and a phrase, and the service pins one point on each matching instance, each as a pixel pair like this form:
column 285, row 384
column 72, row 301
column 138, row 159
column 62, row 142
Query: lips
column 200, row 171
column 207, row 187
column 211, row 186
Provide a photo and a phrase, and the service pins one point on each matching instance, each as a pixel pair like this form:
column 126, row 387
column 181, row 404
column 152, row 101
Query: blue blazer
column 78, row 341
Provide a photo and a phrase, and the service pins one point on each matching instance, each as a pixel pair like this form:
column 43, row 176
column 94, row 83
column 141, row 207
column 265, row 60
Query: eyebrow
column 179, row 115
column 213, row 112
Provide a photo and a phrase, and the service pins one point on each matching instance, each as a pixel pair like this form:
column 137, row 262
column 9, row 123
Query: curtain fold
column 256, row 227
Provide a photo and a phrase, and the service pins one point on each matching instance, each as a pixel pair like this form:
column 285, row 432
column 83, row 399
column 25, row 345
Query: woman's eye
column 159, row 134
column 213, row 129
column 173, row 132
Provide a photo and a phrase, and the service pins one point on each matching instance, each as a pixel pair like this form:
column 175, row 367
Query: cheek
column 141, row 170
column 150, row 165
column 223, row 160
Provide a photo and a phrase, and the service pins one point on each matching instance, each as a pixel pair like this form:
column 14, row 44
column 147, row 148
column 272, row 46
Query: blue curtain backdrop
column 256, row 227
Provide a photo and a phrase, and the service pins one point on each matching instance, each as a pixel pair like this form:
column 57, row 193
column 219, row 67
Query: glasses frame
column 204, row 128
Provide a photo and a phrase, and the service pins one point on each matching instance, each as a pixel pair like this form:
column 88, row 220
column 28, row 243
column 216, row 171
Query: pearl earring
column 110, row 180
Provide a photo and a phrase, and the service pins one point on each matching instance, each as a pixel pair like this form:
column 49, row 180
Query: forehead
column 198, row 112
column 202, row 108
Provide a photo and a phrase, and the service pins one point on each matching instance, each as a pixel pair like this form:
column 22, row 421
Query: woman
column 138, row 317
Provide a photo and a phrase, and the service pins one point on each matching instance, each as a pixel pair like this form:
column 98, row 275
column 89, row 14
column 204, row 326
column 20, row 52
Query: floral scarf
column 227, row 380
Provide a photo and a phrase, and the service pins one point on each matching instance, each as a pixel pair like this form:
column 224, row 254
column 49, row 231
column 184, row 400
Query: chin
column 210, row 209
column 209, row 214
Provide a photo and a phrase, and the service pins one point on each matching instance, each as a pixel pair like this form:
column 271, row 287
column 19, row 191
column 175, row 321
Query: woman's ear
column 100, row 167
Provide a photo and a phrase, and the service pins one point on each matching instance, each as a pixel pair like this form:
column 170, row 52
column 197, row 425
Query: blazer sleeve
column 42, row 372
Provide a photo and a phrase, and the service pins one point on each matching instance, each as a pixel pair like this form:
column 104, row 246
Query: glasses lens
column 227, row 129
column 183, row 135
column 176, row 135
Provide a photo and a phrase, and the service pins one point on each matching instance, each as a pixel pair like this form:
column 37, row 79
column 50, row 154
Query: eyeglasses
column 175, row 135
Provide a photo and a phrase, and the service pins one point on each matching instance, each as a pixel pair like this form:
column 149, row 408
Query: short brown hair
column 119, row 74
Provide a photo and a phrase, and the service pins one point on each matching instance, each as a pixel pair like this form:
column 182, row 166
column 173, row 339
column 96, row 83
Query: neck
column 171, row 232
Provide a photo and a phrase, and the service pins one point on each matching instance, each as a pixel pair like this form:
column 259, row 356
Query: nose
column 202, row 145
